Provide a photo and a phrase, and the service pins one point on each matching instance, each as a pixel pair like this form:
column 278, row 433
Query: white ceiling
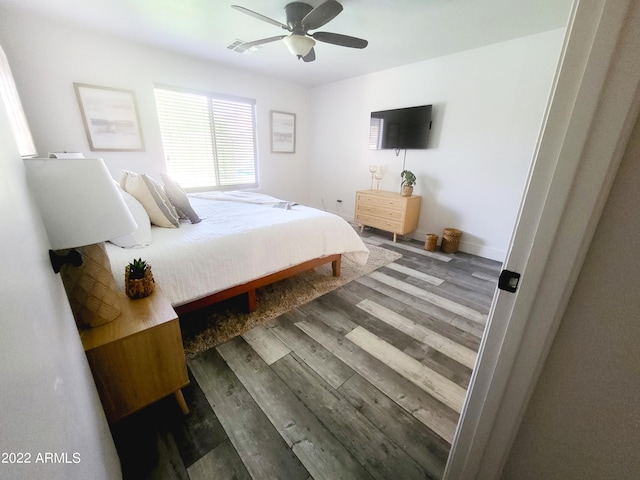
column 399, row 31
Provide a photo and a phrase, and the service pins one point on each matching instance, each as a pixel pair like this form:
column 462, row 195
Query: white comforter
column 241, row 237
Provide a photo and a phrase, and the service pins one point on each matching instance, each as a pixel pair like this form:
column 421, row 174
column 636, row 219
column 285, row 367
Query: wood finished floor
column 365, row 382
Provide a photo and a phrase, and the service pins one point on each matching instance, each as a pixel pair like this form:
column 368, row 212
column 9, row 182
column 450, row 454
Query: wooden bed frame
column 250, row 287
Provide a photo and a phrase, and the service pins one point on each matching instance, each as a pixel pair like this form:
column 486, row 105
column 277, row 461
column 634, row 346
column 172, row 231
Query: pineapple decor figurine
column 139, row 282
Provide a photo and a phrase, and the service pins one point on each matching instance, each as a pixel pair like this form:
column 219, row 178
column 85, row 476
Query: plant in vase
column 408, row 181
column 139, row 282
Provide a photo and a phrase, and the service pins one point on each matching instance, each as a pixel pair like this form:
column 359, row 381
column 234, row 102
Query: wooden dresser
column 388, row 211
column 137, row 358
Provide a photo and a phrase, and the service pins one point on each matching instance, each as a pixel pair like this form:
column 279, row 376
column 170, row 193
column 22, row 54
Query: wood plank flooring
column 365, row 382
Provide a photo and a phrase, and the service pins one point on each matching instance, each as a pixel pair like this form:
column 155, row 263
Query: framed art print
column 283, row 132
column 110, row 118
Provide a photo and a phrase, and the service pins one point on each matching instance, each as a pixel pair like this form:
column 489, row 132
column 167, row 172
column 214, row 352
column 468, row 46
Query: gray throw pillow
column 178, row 197
column 152, row 197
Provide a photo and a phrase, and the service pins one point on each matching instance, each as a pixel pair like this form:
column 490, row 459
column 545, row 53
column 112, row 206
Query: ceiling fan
column 301, row 18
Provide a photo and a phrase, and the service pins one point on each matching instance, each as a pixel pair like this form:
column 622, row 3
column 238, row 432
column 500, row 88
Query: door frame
column 594, row 103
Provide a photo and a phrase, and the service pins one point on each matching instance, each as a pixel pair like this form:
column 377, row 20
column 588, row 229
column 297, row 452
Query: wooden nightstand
column 388, row 211
column 137, row 358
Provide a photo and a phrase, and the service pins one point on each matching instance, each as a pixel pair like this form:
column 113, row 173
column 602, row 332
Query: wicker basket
column 451, row 240
column 139, row 287
column 431, row 243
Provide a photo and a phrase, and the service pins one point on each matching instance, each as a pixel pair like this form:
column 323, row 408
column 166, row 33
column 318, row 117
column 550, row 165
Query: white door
column 593, row 107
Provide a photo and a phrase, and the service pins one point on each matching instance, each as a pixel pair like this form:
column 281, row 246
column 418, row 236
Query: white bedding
column 241, row 237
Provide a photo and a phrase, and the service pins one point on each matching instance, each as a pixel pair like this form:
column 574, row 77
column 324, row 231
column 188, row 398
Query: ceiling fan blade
column 339, row 39
column 261, row 41
column 322, row 14
column 309, row 57
column 260, row 17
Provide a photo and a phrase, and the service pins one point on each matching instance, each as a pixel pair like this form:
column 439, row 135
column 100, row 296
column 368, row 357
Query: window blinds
column 209, row 141
column 375, row 133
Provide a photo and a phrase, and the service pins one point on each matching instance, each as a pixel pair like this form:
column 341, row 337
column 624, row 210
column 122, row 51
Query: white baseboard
column 480, row 250
column 472, row 248
column 483, row 251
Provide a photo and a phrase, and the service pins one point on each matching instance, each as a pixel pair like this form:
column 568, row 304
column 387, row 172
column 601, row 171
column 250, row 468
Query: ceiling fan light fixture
column 299, row 45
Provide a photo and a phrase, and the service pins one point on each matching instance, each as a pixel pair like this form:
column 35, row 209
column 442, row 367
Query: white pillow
column 152, row 197
column 140, row 237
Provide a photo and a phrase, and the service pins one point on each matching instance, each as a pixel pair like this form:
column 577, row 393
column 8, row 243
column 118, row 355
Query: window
column 376, row 125
column 17, row 118
column 209, row 140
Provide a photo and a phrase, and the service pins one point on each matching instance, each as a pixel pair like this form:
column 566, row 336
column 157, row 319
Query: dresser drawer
column 391, row 203
column 382, row 212
column 378, row 222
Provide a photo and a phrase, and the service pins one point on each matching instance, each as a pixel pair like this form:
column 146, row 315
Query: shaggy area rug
column 213, row 325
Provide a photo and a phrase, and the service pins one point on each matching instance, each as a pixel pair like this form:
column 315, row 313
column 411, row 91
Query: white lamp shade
column 299, row 45
column 78, row 201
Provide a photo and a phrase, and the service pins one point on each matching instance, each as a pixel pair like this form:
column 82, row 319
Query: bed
column 244, row 240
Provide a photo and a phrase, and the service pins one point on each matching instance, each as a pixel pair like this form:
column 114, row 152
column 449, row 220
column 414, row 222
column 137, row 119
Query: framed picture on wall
column 283, row 132
column 110, row 118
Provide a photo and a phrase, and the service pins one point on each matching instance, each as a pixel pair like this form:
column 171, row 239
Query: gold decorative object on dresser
column 137, row 358
column 389, row 211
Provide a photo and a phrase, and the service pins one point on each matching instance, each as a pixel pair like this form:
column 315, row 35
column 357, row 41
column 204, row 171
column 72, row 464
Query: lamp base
column 91, row 288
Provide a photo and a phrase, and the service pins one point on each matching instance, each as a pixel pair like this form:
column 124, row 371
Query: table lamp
column 81, row 207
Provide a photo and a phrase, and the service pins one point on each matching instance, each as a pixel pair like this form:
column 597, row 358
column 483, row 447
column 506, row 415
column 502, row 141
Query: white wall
column 48, row 401
column 582, row 419
column 488, row 108
column 47, row 58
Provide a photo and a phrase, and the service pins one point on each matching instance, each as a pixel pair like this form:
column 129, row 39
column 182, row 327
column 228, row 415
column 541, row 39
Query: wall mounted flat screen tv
column 401, row 128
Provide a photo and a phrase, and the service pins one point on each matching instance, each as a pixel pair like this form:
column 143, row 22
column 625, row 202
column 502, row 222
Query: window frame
column 212, row 97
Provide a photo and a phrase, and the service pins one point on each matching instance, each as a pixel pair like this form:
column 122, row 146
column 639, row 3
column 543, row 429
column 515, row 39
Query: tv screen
column 401, row 128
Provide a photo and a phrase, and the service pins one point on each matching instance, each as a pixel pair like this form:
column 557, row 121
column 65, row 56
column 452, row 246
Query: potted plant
column 408, row 181
column 139, row 282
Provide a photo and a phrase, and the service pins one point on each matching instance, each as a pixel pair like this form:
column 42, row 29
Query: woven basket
column 451, row 240
column 431, row 243
column 139, row 287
